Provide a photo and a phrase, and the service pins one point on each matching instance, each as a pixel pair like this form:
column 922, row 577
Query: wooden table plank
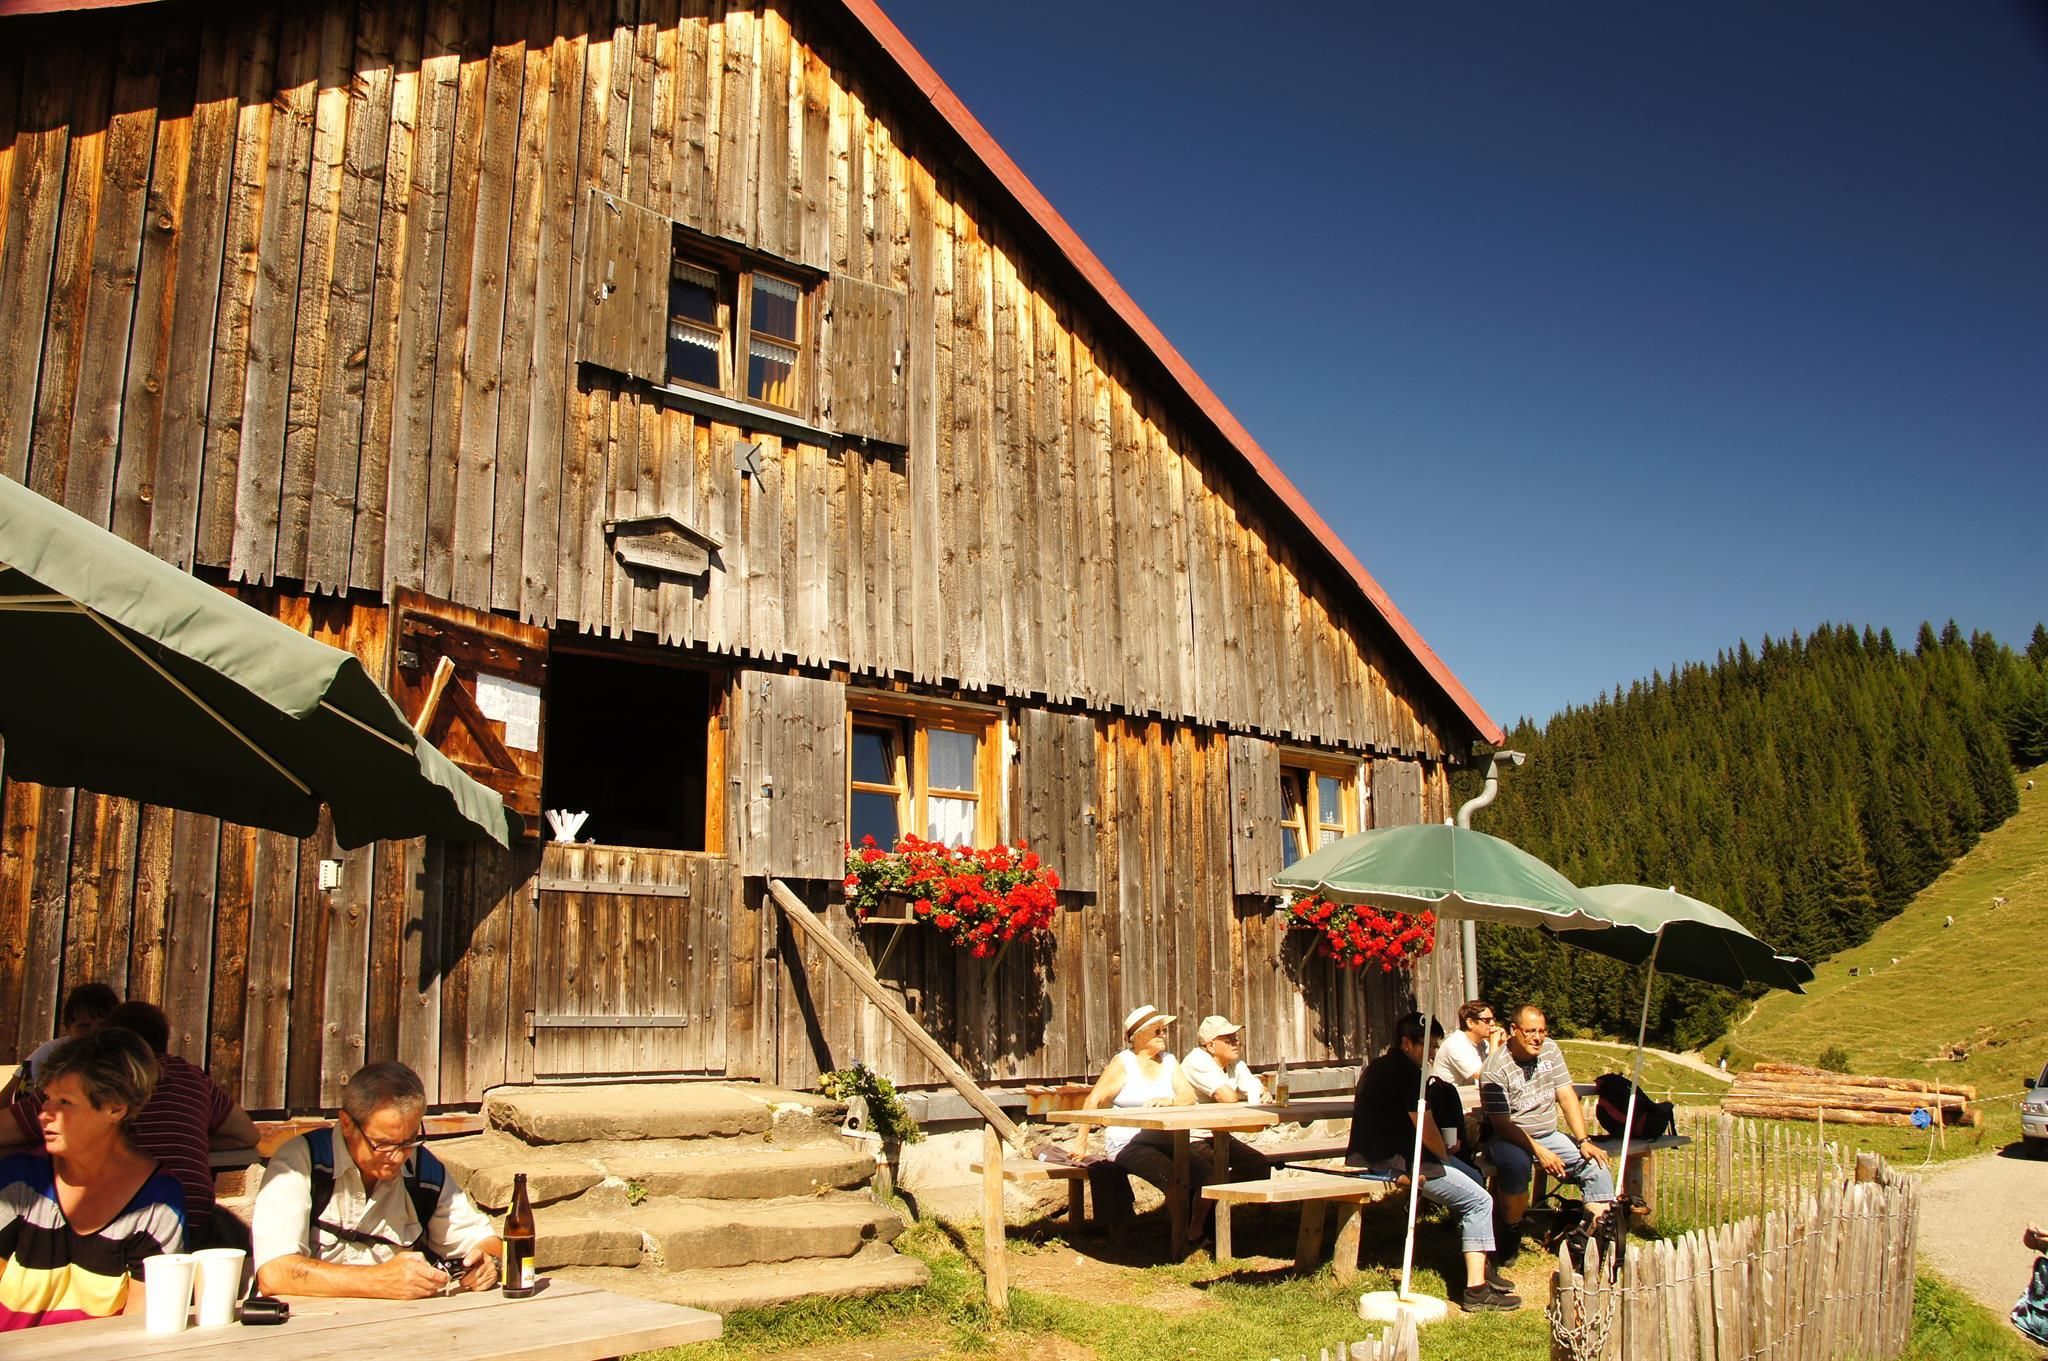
column 565, row 1322
column 1230, row 1116
column 1307, row 1110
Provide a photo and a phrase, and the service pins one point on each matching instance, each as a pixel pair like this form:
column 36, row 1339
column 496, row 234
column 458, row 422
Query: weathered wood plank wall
column 290, row 295
column 291, row 298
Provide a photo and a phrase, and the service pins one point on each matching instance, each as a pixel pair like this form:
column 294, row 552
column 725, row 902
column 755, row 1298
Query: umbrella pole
column 1635, row 1078
column 1421, row 1111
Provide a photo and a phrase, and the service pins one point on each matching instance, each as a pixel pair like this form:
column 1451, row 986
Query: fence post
column 995, row 1264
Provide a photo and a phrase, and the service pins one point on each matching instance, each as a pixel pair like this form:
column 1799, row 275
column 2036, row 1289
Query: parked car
column 2034, row 1115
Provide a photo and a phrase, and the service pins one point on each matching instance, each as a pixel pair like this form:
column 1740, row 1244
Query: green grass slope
column 1977, row 985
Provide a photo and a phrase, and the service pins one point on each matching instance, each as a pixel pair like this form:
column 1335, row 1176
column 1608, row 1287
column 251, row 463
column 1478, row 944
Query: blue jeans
column 1595, row 1182
column 1462, row 1191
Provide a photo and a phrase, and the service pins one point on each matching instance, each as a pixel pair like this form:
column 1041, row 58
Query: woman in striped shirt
column 78, row 1221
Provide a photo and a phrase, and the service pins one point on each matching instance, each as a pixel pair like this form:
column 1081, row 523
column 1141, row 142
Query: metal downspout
column 1469, row 933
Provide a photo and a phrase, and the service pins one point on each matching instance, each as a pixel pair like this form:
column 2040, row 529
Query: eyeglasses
column 1484, row 1020
column 385, row 1148
column 1533, row 1031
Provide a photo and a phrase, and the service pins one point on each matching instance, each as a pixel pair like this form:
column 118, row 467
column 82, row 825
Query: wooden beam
column 935, row 1053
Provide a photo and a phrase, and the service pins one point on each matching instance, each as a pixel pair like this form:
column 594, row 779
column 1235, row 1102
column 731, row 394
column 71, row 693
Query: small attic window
column 715, row 305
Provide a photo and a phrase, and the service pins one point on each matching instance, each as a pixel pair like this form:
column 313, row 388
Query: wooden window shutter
column 1396, row 793
column 866, row 357
column 1254, row 814
column 789, row 752
column 474, row 685
column 624, row 320
column 1054, row 797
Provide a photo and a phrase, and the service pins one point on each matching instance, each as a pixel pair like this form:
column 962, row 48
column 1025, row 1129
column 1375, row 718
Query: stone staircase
column 724, row 1196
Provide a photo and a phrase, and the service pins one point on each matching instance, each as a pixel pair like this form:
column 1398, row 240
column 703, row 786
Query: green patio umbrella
column 1455, row 872
column 1686, row 937
column 1665, row 929
column 128, row 676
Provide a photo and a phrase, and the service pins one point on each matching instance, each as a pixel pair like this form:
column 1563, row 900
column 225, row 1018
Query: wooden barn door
column 630, row 964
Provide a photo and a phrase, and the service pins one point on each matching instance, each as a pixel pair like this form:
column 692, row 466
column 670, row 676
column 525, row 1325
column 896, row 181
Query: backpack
column 1446, row 1109
column 424, row 1177
column 1654, row 1119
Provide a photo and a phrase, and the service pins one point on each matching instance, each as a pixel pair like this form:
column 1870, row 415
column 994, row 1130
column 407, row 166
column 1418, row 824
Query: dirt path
column 1692, row 1061
column 1971, row 1216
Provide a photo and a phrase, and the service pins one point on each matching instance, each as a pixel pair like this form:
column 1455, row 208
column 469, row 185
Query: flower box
column 1356, row 936
column 981, row 901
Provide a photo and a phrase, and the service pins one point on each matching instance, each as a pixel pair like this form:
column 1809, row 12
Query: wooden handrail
column 849, row 964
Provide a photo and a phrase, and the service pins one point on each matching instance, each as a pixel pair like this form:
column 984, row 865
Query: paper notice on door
column 513, row 703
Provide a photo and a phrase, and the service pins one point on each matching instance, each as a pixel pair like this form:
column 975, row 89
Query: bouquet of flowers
column 1356, row 936
column 980, row 900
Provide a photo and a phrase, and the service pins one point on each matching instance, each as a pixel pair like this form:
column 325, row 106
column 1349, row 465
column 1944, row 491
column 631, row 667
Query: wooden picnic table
column 1180, row 1122
column 1306, row 1110
column 564, row 1322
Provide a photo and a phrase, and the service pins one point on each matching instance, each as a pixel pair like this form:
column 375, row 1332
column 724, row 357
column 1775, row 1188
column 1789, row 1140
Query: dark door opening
column 628, row 742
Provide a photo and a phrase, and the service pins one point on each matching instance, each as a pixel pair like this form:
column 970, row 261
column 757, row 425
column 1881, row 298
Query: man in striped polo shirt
column 1527, row 1093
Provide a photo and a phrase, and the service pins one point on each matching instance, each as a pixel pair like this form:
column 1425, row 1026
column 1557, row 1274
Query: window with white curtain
column 927, row 770
column 735, row 329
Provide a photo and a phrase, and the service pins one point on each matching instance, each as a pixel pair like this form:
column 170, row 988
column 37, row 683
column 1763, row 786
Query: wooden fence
column 1737, row 1168
column 1828, row 1275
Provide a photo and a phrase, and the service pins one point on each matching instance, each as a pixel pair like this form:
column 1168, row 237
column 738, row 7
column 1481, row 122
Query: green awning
column 125, row 675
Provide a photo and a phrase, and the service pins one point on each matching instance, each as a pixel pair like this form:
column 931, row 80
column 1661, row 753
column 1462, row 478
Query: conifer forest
column 1809, row 787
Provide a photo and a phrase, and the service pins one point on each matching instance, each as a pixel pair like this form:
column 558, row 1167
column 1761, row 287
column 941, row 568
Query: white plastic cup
column 167, row 1292
column 219, row 1284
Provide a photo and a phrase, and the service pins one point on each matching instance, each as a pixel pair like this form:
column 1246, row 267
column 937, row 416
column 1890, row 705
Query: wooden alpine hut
column 699, row 423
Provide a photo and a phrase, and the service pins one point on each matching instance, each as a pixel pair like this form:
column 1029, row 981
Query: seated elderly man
column 1527, row 1092
column 359, row 1209
column 1217, row 1071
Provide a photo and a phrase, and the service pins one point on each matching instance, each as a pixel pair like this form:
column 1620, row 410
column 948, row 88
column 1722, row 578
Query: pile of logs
column 1793, row 1091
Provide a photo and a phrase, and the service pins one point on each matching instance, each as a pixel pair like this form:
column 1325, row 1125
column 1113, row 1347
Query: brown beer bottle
column 520, row 1279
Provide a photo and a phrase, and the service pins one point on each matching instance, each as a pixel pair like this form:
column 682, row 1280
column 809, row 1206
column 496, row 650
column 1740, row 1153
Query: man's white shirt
column 1205, row 1075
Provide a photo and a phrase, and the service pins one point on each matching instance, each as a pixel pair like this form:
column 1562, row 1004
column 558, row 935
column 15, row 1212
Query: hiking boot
column 1496, row 1279
column 1484, row 1297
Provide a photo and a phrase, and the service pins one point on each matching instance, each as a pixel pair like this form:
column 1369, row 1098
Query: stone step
column 765, row 1173
column 659, row 1110
column 564, row 1238
column 600, row 1176
column 484, row 1165
column 723, row 1290
column 691, row 1235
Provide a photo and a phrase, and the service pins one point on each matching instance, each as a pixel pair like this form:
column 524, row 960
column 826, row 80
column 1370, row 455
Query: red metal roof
column 1064, row 239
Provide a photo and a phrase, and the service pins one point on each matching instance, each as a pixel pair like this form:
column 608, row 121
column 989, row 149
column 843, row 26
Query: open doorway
column 629, row 743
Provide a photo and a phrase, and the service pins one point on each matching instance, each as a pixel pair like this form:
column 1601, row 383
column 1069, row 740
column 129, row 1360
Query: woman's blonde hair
column 115, row 1066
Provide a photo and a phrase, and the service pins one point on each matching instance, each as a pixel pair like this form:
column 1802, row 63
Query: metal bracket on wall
column 746, row 456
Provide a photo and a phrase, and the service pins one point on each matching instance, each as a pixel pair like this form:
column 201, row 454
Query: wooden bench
column 1315, row 1192
column 1075, row 1175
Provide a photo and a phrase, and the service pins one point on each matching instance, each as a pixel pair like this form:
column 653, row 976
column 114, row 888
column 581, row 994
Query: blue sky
column 1605, row 334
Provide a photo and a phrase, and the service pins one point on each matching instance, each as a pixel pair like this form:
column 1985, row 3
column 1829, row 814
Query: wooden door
column 474, row 684
column 631, row 961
